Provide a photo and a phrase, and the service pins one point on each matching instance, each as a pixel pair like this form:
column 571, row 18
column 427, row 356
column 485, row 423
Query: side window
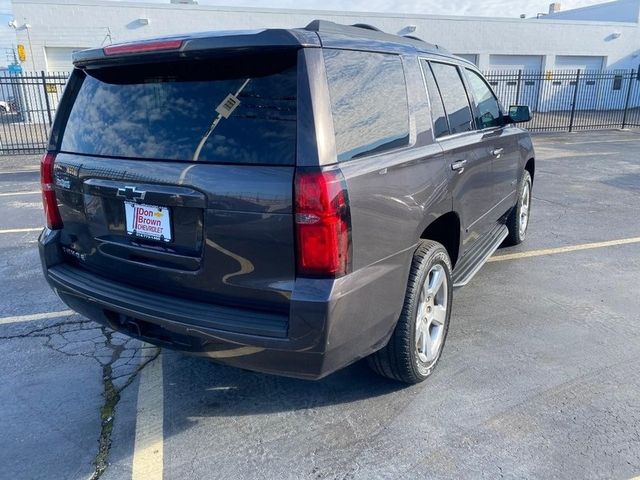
column 438, row 115
column 486, row 103
column 454, row 96
column 368, row 101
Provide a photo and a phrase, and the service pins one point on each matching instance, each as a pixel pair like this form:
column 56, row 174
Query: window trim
column 475, row 103
column 425, row 64
column 429, row 61
column 410, row 116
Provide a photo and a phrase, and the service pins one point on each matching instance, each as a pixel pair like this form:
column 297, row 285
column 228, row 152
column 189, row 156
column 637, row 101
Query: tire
column 518, row 220
column 404, row 357
column 3, row 109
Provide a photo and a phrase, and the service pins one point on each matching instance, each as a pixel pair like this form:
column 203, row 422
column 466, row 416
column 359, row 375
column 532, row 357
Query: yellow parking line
column 21, row 230
column 570, row 248
column 11, row 194
column 148, row 447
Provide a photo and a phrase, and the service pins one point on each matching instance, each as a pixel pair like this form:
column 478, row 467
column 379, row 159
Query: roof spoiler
column 184, row 46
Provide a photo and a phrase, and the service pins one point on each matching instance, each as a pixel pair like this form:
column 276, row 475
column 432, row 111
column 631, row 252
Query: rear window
column 238, row 111
column 368, row 102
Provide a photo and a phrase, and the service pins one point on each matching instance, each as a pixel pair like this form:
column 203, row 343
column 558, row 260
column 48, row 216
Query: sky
column 490, row 8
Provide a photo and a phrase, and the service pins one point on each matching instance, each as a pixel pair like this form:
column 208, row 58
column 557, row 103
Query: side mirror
column 519, row 114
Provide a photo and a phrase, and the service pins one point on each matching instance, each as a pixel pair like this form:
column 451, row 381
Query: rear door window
column 438, row 115
column 487, row 107
column 238, row 111
column 369, row 102
column 454, row 97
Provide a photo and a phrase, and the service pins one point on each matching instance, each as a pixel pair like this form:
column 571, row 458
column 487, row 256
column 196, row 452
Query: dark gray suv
column 287, row 201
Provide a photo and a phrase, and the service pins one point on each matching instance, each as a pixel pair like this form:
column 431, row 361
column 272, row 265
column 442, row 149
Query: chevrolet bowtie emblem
column 131, row 193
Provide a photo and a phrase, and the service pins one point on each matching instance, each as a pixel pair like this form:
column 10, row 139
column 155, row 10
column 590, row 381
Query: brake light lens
column 323, row 224
column 51, row 211
column 142, row 47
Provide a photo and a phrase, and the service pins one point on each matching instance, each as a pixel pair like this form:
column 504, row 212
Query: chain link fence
column 559, row 101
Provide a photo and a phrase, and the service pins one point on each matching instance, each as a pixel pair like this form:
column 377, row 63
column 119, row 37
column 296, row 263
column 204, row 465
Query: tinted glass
column 440, row 125
column 486, row 103
column 454, row 97
column 171, row 111
column 369, row 102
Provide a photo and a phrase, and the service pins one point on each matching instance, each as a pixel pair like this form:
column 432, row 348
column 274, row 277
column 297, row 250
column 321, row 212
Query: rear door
column 468, row 158
column 177, row 177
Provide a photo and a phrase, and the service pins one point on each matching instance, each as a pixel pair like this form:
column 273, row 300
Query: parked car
column 286, row 201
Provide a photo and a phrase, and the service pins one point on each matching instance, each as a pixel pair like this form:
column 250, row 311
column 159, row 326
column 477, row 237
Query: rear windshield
column 238, row 111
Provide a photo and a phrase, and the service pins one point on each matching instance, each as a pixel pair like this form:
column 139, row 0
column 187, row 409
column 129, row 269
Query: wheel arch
column 445, row 230
column 530, row 167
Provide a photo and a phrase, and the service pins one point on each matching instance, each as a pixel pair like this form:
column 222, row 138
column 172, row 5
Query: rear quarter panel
column 393, row 197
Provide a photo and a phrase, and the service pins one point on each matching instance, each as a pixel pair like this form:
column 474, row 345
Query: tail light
column 323, row 224
column 51, row 212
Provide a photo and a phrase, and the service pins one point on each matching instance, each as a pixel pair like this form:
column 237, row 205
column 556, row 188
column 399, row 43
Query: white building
column 603, row 36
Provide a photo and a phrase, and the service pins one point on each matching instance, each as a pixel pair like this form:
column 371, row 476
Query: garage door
column 59, row 58
column 469, row 57
column 515, row 62
column 589, row 84
column 513, row 87
column 576, row 62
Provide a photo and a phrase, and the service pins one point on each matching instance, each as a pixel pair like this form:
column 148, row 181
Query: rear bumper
column 330, row 324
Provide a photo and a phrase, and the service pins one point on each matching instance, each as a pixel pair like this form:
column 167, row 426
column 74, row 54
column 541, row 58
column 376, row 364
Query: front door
column 498, row 143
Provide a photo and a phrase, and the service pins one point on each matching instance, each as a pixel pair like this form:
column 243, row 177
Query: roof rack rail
column 371, row 32
column 366, row 26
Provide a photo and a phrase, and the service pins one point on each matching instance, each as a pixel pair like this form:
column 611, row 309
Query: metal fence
column 559, row 100
column 28, row 102
column 572, row 100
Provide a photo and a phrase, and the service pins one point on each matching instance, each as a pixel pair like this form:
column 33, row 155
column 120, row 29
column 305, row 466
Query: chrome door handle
column 458, row 166
column 497, row 151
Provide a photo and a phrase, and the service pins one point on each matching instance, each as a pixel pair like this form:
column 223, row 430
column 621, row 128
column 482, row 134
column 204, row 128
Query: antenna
column 107, row 36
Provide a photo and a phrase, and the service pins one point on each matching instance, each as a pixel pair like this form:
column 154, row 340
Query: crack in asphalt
column 111, row 396
column 120, row 357
column 40, row 332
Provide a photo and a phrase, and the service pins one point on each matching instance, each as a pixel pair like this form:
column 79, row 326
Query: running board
column 478, row 255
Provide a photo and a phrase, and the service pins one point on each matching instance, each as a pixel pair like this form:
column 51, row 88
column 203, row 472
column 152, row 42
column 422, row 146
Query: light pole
column 25, row 26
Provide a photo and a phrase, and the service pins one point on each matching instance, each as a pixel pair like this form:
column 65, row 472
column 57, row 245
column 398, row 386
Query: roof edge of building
column 311, row 12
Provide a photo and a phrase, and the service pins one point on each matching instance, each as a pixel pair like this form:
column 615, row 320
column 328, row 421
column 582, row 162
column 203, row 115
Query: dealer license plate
column 148, row 221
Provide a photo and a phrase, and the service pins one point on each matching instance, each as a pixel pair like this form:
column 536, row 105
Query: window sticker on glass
column 228, row 105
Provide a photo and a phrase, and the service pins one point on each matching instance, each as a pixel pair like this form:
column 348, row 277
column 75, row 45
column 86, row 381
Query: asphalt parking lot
column 540, row 377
